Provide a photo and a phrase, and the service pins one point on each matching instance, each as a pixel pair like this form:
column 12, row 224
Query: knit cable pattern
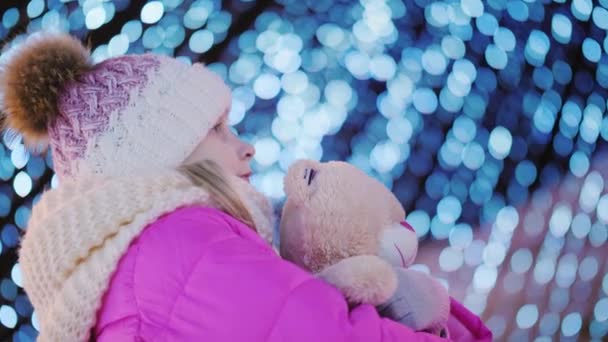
column 86, row 106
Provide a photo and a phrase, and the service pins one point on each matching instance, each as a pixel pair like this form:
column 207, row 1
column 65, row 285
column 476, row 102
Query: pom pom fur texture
column 32, row 76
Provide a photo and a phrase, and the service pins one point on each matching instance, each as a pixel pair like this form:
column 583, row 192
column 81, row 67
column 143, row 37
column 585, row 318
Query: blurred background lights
column 571, row 324
column 267, row 86
column 496, row 57
column 485, row 278
column 152, row 12
column 118, row 45
column 602, row 209
column 537, row 48
column 527, row 316
column 433, row 61
column 472, row 8
column 601, row 310
column 450, row 259
column 518, row 10
column 201, row 41
column 592, row 50
column 95, row 18
column 500, row 142
column 449, row 210
column 10, row 18
column 581, row 9
column 487, row 24
column 600, row 17
column 8, row 316
column 521, row 260
column 35, row 8
column 425, row 100
column 269, row 151
column 22, row 184
column 420, row 221
column 561, row 28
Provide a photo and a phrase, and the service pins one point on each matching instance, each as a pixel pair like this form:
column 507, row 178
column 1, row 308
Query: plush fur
column 349, row 229
column 343, row 210
column 353, row 277
column 33, row 77
column 339, row 223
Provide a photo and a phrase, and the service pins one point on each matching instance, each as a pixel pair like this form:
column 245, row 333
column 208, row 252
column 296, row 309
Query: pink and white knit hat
column 125, row 115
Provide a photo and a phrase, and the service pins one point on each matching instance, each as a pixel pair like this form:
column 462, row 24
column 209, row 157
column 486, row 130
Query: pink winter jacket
column 197, row 274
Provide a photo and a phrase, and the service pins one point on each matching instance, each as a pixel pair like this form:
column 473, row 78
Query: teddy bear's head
column 334, row 211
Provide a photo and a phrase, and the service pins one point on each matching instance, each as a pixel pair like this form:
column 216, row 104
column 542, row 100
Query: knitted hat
column 127, row 114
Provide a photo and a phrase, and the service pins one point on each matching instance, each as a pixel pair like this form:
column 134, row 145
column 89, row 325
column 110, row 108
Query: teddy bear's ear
column 398, row 244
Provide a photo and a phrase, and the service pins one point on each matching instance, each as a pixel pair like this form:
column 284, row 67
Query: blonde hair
column 208, row 175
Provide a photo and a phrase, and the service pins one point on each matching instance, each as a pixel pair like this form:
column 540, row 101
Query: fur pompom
column 32, row 78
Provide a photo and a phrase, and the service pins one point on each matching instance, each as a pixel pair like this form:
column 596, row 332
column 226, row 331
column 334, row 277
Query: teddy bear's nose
column 407, row 226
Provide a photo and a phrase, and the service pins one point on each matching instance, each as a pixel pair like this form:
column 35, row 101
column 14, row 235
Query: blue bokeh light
column 561, row 28
column 500, row 142
column 152, row 12
column 536, row 48
column 581, row 9
column 425, row 100
column 592, row 50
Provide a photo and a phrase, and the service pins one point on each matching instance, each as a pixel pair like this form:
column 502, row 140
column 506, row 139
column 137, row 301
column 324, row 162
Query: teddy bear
column 348, row 229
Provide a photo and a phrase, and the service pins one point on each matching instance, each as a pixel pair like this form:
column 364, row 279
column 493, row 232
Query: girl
column 154, row 233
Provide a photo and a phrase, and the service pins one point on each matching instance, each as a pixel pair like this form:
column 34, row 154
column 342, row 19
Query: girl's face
column 224, row 147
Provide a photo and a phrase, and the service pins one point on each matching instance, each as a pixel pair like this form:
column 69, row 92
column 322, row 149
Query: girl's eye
column 218, row 127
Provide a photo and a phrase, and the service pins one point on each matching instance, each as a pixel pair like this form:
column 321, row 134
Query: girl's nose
column 247, row 150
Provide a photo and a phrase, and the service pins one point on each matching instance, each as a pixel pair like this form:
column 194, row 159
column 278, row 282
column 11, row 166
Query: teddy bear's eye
column 309, row 174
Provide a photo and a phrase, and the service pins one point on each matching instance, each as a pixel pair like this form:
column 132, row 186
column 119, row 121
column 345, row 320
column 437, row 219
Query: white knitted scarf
column 79, row 231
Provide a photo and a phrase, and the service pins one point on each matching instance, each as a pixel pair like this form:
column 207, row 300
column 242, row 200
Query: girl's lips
column 246, row 176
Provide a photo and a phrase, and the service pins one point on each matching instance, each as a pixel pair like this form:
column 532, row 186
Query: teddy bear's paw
column 362, row 279
column 421, row 302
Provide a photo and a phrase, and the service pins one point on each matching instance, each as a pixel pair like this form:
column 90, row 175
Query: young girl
column 153, row 233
